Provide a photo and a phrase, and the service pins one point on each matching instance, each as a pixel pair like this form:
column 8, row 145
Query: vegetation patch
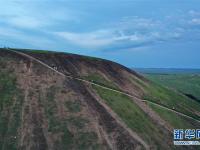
column 2, row 63
column 185, row 83
column 174, row 119
column 14, row 123
column 98, row 79
column 50, row 110
column 131, row 114
column 7, row 88
column 38, row 51
column 156, row 92
column 93, row 58
column 171, row 99
column 78, row 122
column 87, row 140
column 73, row 106
column 66, row 140
column 3, row 129
column 11, row 101
column 75, row 139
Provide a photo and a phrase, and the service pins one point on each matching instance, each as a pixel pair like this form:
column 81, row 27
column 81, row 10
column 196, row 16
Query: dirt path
column 104, row 87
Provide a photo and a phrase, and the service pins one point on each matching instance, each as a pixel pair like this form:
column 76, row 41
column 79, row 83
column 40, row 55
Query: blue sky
column 136, row 33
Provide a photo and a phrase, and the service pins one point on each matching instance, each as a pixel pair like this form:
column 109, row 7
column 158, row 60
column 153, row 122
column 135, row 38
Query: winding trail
column 104, row 87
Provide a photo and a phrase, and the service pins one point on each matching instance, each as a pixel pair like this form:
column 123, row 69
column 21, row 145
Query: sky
column 135, row 33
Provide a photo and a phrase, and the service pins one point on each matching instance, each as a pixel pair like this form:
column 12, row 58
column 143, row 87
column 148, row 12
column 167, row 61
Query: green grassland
column 160, row 94
column 175, row 120
column 185, row 83
column 171, row 99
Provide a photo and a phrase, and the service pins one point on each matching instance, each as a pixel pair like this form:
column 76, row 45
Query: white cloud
column 138, row 22
column 115, row 38
column 195, row 21
column 125, row 31
column 25, row 22
column 33, row 40
column 194, row 18
column 194, row 13
column 136, row 32
column 34, row 14
column 91, row 39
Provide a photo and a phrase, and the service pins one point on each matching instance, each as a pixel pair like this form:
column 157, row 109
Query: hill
column 59, row 101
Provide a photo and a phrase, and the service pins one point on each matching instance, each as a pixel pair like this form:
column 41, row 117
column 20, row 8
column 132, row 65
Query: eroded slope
column 54, row 112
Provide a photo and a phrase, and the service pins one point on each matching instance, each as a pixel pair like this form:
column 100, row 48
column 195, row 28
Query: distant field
column 184, row 81
column 167, row 71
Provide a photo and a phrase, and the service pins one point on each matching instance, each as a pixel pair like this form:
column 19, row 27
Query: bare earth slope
column 41, row 109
